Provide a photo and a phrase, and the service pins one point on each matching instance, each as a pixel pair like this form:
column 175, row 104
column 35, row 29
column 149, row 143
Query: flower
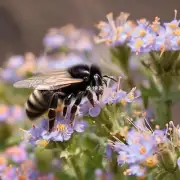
column 79, row 125
column 17, row 154
column 135, row 170
column 39, row 135
column 69, row 37
column 178, row 162
column 110, row 96
column 16, row 113
column 62, row 132
column 115, row 32
column 142, row 36
column 15, row 62
column 61, row 61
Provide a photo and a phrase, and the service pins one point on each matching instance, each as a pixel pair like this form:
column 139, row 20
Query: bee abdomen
column 36, row 105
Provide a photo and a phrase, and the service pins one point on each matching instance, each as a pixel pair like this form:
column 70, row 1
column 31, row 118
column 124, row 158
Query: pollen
column 173, row 25
column 131, row 96
column 61, row 127
column 142, row 33
column 127, row 172
column 123, row 101
column 142, row 150
column 43, row 143
column 138, row 43
column 151, row 161
column 177, row 32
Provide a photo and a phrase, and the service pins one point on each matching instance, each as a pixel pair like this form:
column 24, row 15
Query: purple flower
column 15, row 62
column 53, row 40
column 16, row 113
column 95, row 111
column 140, row 145
column 85, row 108
column 160, row 136
column 62, row 133
column 79, row 125
column 178, row 162
column 17, row 154
column 35, row 133
column 70, row 37
column 135, row 170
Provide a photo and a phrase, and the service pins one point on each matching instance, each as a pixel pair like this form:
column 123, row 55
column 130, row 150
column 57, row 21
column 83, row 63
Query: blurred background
column 23, row 23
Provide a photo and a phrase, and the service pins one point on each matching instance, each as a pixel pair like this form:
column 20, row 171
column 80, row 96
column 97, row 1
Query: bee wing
column 48, row 81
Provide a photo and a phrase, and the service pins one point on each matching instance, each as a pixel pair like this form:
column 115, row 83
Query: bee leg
column 54, row 101
column 52, row 112
column 67, row 102
column 98, row 85
column 75, row 105
column 52, row 118
column 90, row 97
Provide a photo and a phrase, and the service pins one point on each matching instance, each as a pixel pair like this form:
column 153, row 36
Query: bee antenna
column 106, row 76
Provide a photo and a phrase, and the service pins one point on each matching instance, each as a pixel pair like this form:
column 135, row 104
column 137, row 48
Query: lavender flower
column 69, row 37
column 16, row 113
column 178, row 162
column 140, row 37
column 115, row 32
column 17, row 154
column 62, row 131
column 135, row 170
column 140, row 148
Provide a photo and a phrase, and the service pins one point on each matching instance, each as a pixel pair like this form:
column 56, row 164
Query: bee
column 75, row 82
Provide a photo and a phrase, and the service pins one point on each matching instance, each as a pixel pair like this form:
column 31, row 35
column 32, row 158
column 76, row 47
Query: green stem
column 76, row 168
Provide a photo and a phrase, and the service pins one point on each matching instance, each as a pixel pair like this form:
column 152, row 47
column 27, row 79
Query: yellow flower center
column 123, row 101
column 151, row 161
column 173, row 26
column 131, row 96
column 142, row 150
column 177, row 32
column 43, row 142
column 138, row 43
column 142, row 33
column 61, row 127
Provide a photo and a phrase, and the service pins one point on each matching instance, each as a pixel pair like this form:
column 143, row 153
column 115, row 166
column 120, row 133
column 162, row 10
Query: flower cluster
column 144, row 148
column 142, row 36
column 110, row 96
column 68, row 37
column 11, row 113
column 17, row 67
column 39, row 135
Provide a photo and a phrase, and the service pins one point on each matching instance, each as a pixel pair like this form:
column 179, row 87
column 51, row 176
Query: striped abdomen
column 37, row 104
